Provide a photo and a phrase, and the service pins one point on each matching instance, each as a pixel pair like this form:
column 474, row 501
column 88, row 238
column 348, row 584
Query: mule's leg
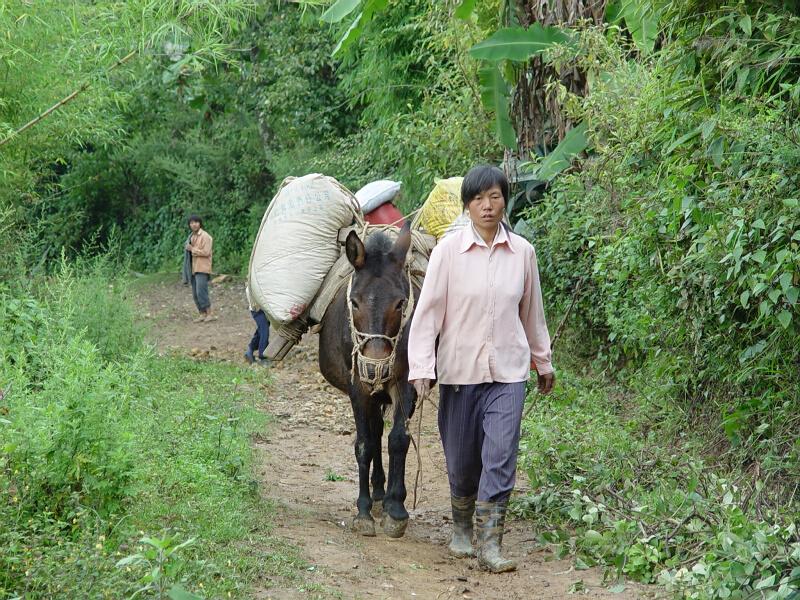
column 395, row 515
column 363, row 523
column 378, row 474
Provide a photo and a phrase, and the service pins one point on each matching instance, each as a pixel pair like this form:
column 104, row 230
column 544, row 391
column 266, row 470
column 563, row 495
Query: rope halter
column 374, row 373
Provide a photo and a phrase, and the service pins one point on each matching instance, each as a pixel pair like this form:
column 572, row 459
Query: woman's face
column 486, row 208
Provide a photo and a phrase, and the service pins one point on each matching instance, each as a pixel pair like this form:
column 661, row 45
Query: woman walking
column 200, row 247
column 481, row 299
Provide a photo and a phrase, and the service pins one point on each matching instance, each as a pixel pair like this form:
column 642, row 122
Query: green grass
column 109, row 452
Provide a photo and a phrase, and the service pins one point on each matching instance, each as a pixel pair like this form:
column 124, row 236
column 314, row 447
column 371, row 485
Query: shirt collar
column 470, row 237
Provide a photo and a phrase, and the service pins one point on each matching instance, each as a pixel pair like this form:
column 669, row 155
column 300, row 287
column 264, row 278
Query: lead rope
column 416, row 448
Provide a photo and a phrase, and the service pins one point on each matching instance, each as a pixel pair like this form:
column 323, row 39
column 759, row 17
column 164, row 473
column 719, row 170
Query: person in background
column 200, row 246
column 260, row 338
column 481, row 299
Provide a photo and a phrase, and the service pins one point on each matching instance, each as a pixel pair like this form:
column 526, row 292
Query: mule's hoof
column 364, row 526
column 377, row 508
column 392, row 527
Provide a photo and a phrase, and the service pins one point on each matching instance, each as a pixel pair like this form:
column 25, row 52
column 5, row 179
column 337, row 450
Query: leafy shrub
column 689, row 257
column 682, row 229
column 609, row 490
column 85, row 435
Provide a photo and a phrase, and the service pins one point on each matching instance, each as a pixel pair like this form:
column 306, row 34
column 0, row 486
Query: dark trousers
column 200, row 291
column 261, row 336
column 480, row 426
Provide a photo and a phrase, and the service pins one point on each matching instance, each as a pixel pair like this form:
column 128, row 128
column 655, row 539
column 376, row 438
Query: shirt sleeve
column 531, row 312
column 203, row 246
column 428, row 319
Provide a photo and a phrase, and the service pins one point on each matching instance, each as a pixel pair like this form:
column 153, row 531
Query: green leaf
column 613, row 11
column 494, row 95
column 465, row 9
column 580, row 564
column 744, row 298
column 516, row 43
column 791, row 294
column 716, row 150
column 741, row 78
column 560, row 158
column 746, row 25
column 357, row 26
column 617, row 589
column 766, row 582
column 785, row 318
column 707, row 127
column 642, row 21
column 339, row 10
column 351, row 35
column 593, row 537
column 774, row 294
column 759, row 256
column 129, row 560
column 682, row 140
column 178, row 592
column 785, row 281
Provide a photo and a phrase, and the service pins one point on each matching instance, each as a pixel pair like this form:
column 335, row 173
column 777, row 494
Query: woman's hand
column 546, row 383
column 422, row 386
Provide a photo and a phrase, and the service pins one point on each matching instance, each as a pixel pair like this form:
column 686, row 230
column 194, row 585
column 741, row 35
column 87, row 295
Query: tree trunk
column 538, row 117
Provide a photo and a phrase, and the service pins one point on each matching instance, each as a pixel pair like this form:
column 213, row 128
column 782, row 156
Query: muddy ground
column 307, row 467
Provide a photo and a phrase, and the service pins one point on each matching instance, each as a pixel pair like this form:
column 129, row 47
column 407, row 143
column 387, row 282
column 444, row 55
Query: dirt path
column 308, row 468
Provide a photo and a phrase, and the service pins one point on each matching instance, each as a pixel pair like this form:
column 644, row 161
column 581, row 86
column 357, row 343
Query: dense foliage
column 217, row 142
column 679, row 238
column 669, row 452
column 89, row 421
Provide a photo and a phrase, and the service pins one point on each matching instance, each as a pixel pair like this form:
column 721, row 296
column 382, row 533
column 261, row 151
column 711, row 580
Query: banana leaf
column 518, row 44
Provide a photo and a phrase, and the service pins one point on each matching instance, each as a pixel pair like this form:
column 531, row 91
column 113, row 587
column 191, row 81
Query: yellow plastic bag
column 442, row 207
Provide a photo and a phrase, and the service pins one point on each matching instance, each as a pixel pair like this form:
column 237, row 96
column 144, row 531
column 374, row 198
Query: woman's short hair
column 482, row 178
column 193, row 219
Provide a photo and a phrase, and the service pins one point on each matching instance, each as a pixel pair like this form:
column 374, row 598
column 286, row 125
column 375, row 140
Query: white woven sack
column 377, row 193
column 297, row 244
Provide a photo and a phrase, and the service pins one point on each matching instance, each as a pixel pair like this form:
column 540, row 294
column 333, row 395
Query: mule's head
column 379, row 290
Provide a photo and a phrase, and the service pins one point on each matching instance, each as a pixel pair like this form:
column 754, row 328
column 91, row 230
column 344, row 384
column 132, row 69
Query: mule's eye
column 399, row 306
column 354, row 304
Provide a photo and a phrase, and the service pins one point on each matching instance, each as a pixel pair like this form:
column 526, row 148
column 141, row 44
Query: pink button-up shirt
column 485, row 305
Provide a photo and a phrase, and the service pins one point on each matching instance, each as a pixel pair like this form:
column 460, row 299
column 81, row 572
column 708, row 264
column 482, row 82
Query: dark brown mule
column 378, row 297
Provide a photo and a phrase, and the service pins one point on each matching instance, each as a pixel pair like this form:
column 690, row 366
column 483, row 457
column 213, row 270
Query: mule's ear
column 354, row 248
column 402, row 244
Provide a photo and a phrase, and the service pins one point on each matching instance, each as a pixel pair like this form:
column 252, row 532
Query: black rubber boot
column 461, row 542
column 491, row 518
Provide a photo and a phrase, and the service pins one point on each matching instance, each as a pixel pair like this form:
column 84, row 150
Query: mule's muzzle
column 374, row 373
